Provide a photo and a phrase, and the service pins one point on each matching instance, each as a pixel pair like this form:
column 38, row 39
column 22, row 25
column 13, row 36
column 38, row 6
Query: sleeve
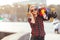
column 29, row 20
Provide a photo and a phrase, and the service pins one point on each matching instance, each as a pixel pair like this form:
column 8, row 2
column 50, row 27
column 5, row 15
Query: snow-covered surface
column 24, row 28
column 52, row 36
column 14, row 36
column 14, row 27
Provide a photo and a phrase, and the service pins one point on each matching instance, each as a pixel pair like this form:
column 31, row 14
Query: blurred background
column 16, row 10
column 13, row 19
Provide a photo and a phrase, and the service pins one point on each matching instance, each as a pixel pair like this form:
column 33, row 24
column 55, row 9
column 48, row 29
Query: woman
column 36, row 23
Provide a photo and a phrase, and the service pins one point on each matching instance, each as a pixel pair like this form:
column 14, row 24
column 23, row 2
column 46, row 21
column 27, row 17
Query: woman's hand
column 45, row 17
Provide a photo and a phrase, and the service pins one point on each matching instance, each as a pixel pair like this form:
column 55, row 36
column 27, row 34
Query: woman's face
column 33, row 10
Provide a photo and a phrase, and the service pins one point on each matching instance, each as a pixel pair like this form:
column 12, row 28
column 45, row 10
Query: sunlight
column 4, row 2
column 55, row 2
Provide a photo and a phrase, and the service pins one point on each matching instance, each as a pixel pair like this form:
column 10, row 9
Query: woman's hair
column 31, row 6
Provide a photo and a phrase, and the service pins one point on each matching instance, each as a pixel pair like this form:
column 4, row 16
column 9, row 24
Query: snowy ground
column 50, row 34
column 49, row 29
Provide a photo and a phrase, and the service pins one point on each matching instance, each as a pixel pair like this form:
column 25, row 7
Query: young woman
column 36, row 23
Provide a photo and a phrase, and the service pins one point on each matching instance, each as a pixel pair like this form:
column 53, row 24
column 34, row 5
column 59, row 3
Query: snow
column 24, row 28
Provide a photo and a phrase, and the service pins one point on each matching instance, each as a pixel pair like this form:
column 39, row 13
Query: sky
column 53, row 2
column 4, row 2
